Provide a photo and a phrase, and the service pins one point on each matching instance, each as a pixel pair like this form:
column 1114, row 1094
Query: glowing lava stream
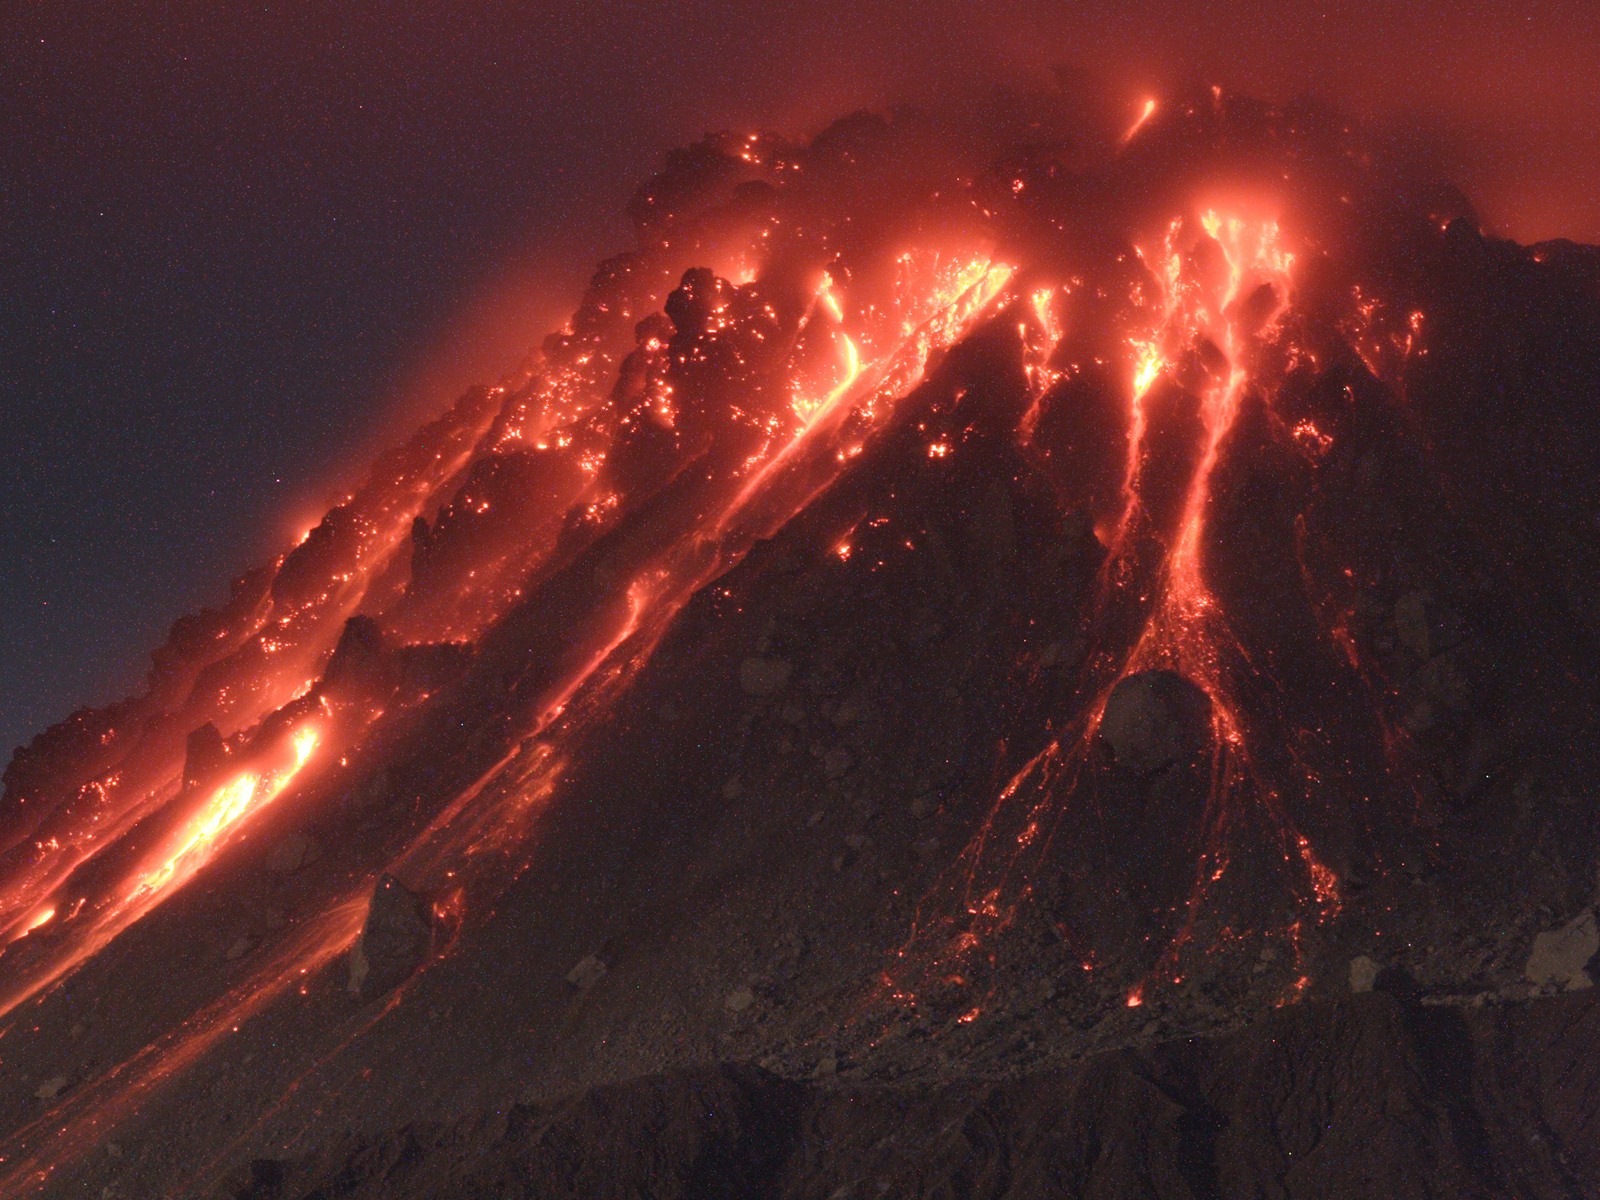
column 244, row 794
column 122, row 802
column 1183, row 630
column 664, row 584
column 1145, row 113
column 892, row 375
column 171, row 866
column 496, row 809
column 1252, row 254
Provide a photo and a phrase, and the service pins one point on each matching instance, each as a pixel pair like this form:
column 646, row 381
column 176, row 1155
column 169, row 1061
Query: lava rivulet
column 1216, row 288
column 231, row 803
column 230, row 668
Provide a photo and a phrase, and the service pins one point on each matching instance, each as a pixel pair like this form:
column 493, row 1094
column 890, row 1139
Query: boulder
column 396, row 939
column 241, row 946
column 1425, row 627
column 1156, row 719
column 1369, row 975
column 1561, row 957
column 1364, row 973
column 1442, row 695
column 52, row 1087
column 589, row 971
column 290, row 853
column 362, row 670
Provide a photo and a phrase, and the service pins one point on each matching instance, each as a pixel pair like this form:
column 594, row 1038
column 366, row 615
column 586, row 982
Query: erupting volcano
column 953, row 614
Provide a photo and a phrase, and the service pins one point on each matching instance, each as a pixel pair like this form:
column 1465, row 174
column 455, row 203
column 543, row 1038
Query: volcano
column 979, row 662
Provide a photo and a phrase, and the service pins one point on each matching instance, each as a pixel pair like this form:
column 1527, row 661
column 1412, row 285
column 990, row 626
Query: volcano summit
column 979, row 662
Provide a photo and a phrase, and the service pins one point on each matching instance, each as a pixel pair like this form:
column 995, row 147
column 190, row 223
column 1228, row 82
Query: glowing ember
column 1147, row 111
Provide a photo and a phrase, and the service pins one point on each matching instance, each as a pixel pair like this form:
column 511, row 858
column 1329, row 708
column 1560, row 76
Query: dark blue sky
column 241, row 247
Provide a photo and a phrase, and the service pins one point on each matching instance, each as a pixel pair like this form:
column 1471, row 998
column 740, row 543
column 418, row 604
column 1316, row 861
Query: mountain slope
column 938, row 625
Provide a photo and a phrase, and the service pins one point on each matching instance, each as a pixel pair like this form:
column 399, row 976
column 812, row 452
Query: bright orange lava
column 234, row 800
column 1145, row 113
column 1219, row 284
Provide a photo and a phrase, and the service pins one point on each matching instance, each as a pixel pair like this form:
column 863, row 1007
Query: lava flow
column 1070, row 423
column 1221, row 285
column 176, row 859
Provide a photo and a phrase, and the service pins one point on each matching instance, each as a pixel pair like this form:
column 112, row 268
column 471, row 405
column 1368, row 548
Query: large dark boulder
column 396, row 939
column 360, row 660
column 1154, row 720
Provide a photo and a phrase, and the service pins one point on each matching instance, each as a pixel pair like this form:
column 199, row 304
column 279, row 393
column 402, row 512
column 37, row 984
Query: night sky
column 241, row 247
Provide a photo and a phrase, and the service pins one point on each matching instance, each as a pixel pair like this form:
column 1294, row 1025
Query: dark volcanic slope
column 940, row 680
column 1356, row 1098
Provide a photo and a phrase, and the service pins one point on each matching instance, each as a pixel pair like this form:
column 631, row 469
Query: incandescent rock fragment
column 1155, row 719
column 394, row 942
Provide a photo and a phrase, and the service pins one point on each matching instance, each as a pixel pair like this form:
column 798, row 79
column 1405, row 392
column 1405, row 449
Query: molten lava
column 230, row 803
column 802, row 339
column 1146, row 111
